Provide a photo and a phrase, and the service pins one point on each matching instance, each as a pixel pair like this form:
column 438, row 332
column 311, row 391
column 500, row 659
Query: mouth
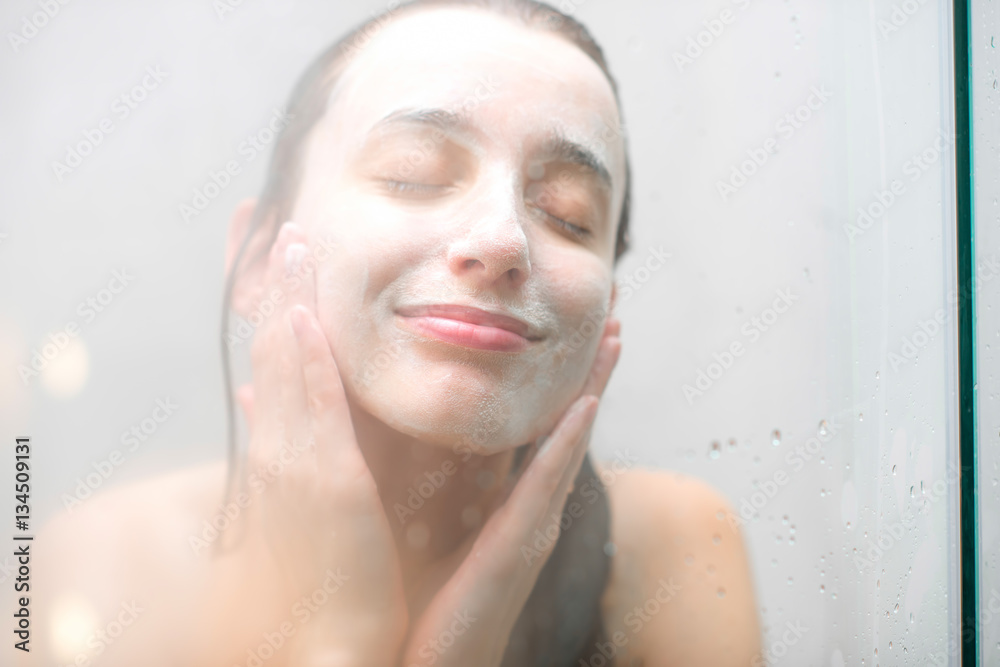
column 468, row 326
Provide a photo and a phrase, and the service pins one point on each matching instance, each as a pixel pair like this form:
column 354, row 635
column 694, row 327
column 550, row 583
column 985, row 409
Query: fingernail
column 294, row 254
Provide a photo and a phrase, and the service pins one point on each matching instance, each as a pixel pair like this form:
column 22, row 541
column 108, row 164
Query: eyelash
column 404, row 187
column 575, row 230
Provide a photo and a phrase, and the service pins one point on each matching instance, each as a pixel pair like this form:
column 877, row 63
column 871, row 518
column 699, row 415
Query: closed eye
column 407, row 188
column 575, row 230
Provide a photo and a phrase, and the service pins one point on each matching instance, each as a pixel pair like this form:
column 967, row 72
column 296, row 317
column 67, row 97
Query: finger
column 483, row 584
column 546, row 477
column 245, row 397
column 266, row 360
column 613, row 327
column 297, row 423
column 604, row 362
column 337, row 451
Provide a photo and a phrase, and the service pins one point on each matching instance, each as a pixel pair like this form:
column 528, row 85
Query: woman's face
column 467, row 168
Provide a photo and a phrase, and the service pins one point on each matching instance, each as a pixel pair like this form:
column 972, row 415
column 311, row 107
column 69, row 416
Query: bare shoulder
column 106, row 560
column 681, row 587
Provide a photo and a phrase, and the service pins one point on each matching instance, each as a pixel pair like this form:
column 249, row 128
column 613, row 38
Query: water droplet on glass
column 776, row 437
column 721, row 592
column 790, row 581
column 732, row 444
column 876, row 375
column 822, row 588
column 895, row 609
column 689, row 560
column 711, row 569
column 894, row 471
column 861, row 417
column 784, row 520
column 714, row 450
column 716, row 539
column 610, row 549
column 823, row 427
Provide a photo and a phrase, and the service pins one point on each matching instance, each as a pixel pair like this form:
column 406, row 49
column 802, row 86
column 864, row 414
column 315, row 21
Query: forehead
column 514, row 82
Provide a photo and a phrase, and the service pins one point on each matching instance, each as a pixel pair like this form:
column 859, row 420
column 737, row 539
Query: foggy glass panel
column 788, row 305
column 832, row 428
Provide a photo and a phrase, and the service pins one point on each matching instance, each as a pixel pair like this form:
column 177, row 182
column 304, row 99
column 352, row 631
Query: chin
column 453, row 410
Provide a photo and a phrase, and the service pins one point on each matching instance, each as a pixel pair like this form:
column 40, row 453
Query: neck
column 435, row 500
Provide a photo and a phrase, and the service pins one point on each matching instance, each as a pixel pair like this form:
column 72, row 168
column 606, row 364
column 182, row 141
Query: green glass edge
column 966, row 335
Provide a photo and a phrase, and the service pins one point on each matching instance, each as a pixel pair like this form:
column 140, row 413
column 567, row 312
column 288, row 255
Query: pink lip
column 468, row 326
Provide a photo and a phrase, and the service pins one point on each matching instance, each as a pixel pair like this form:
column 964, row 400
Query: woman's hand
column 470, row 619
column 316, row 535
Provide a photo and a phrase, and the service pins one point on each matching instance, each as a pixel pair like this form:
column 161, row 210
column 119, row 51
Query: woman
column 433, row 338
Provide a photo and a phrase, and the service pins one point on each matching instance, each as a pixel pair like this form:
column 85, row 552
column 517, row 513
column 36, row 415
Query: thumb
column 245, row 396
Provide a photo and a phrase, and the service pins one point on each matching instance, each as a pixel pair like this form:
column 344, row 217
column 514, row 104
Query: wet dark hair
column 308, row 104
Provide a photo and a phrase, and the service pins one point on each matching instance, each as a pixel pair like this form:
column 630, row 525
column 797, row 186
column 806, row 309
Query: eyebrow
column 562, row 148
column 556, row 147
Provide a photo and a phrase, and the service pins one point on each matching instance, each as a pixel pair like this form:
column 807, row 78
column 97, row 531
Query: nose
column 491, row 251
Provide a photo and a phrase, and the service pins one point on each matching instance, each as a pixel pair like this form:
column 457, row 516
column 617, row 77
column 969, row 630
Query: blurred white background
column 847, row 360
